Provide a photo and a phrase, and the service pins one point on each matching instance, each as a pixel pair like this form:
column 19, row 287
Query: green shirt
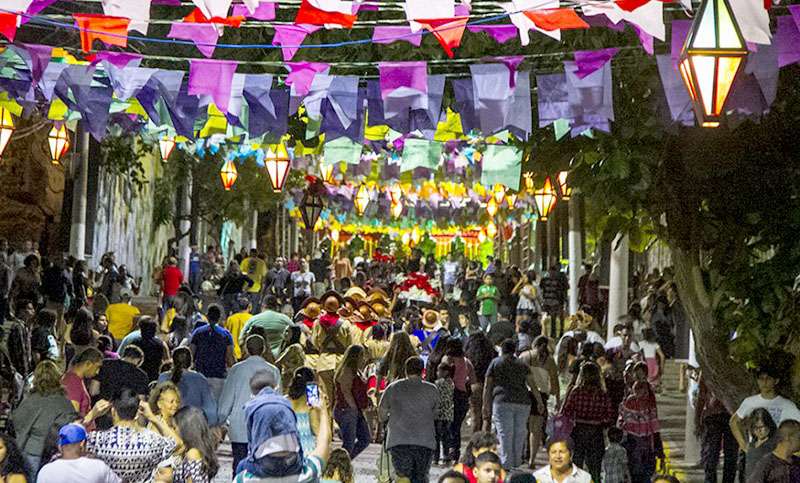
column 274, row 325
column 487, row 295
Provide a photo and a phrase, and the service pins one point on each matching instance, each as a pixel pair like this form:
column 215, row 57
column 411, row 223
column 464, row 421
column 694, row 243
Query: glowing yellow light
column 165, row 146
column 511, row 199
column 545, row 199
column 278, row 164
column 361, row 200
column 335, row 234
column 563, row 186
column 499, row 193
column 58, row 139
column 326, row 171
column 395, row 193
column 396, row 209
column 491, row 207
column 491, row 229
column 415, row 236
column 228, row 173
column 6, row 128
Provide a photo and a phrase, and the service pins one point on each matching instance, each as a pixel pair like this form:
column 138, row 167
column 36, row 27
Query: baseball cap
column 71, row 434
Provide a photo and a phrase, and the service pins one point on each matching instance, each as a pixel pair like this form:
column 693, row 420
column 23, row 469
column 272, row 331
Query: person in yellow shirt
column 256, row 268
column 121, row 316
column 235, row 323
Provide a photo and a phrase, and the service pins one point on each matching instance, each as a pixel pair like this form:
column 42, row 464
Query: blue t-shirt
column 211, row 342
column 195, row 265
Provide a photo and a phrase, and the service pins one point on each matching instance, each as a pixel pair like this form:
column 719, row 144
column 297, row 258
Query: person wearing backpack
column 331, row 336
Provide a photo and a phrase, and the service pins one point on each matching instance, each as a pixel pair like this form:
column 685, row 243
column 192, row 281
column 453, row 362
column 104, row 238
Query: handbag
column 559, row 426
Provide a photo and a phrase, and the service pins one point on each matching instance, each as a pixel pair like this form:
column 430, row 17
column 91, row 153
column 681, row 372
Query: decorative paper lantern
column 545, row 199
column 406, row 239
column 712, row 55
column 325, row 171
column 6, row 128
column 415, row 236
column 482, row 235
column 395, row 193
column 511, row 199
column 278, row 164
column 491, row 207
column 311, row 207
column 58, row 139
column 165, row 146
column 563, row 187
column 228, row 173
column 361, row 201
column 499, row 193
column 528, row 177
column 396, row 209
column 491, row 230
column 334, row 235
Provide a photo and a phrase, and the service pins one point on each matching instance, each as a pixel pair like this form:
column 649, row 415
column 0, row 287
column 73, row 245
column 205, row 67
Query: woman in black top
column 231, row 285
column 480, row 353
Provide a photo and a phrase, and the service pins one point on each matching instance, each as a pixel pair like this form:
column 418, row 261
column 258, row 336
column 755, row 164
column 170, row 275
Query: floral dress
column 191, row 470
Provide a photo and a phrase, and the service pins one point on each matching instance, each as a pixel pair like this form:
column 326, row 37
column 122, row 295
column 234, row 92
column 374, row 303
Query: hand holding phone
column 312, row 395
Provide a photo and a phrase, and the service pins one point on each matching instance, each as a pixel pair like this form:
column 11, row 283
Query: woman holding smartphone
column 351, row 401
column 302, row 383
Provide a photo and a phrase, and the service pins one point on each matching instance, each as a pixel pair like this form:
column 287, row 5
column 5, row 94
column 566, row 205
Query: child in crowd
column 488, row 468
column 339, row 468
column 615, row 459
column 444, row 382
column 653, row 356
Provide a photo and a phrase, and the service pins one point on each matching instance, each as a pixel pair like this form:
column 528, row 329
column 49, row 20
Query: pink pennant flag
column 117, row 59
column 290, row 37
column 213, row 78
column 588, row 61
column 500, row 33
column 512, row 62
column 448, row 31
column 645, row 39
column 301, row 75
column 204, row 35
column 394, row 75
column 400, row 33
column 264, row 11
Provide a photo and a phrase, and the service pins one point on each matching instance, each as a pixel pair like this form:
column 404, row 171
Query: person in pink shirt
column 85, row 365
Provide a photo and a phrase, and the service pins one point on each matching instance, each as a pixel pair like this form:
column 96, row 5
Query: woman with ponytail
column 192, row 386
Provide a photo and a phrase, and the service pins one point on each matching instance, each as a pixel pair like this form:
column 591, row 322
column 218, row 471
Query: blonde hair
column 157, row 391
column 47, row 379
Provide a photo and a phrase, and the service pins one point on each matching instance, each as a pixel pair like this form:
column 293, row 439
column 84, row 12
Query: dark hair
column 271, row 302
column 29, row 260
column 254, row 344
column 213, row 314
column 481, row 439
column 126, row 404
column 450, row 370
column 453, row 474
column 521, row 477
column 104, row 343
column 590, row 375
column 132, row 352
column 297, row 387
column 435, row 357
column 487, row 457
column 14, row 462
column 82, row 324
column 181, row 361
column 649, row 334
column 667, row 478
column 262, row 379
column 454, row 347
column 766, row 418
column 90, row 354
column 414, row 366
column 480, row 351
column 615, row 434
column 339, row 460
column 148, row 327
column 194, row 432
column 566, row 441
column 508, row 346
column 45, row 317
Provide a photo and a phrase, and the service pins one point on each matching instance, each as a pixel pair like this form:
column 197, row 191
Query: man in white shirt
column 450, row 271
column 72, row 466
column 561, row 469
column 778, row 407
column 303, row 282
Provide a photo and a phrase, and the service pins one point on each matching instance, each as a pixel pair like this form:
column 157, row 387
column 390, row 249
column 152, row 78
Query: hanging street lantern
column 545, row 199
column 334, row 236
column 396, row 209
column 528, row 177
column 311, row 205
column 482, row 236
column 361, row 201
column 165, row 146
column 491, row 207
column 228, row 173
column 564, row 188
column 58, row 140
column 395, row 193
column 6, row 128
column 714, row 52
column 415, row 236
column 491, row 230
column 511, row 199
column 278, row 166
column 499, row 193
column 325, row 171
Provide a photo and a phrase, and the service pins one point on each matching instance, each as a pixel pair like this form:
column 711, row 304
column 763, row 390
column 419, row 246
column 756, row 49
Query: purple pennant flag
column 374, row 103
column 129, row 81
column 117, row 59
column 387, row 35
column 394, row 75
column 499, row 106
column 511, row 62
column 36, row 57
column 264, row 11
column 603, row 21
column 680, row 29
column 93, row 102
column 214, row 78
column 269, row 107
column 787, row 39
column 763, row 65
column 33, row 9
column 301, row 74
column 680, row 106
column 464, row 103
column 183, row 111
column 332, row 126
column 500, row 33
column 162, row 83
column 590, row 97
column 290, row 37
column 645, row 39
column 204, row 35
column 589, row 61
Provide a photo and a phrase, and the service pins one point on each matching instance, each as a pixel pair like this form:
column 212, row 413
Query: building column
column 575, row 252
column 80, row 172
column 254, row 230
column 617, row 282
column 184, row 246
column 691, row 445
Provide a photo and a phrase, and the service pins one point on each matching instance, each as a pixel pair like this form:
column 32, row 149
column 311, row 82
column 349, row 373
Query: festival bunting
column 138, row 11
column 330, row 13
column 8, row 25
column 448, row 31
column 204, row 35
column 291, row 35
column 401, row 33
column 109, row 30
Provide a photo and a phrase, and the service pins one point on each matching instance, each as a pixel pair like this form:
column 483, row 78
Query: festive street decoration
column 712, row 56
column 6, row 128
column 165, row 146
column 511, row 199
column 58, row 140
column 491, row 207
column 491, row 230
column 361, row 200
column 311, row 205
column 277, row 162
column 545, row 198
column 228, row 173
column 563, row 187
column 325, row 170
column 499, row 193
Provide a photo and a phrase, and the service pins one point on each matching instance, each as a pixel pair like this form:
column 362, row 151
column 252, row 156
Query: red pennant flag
column 448, row 31
column 630, row 5
column 8, row 25
column 312, row 15
column 556, row 18
column 196, row 16
column 110, row 30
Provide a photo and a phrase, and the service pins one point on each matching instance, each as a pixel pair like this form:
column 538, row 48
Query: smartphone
column 312, row 395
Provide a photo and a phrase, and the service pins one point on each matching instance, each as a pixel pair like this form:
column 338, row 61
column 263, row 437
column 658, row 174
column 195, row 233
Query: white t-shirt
column 543, row 475
column 303, row 283
column 616, row 341
column 81, row 470
column 649, row 349
column 450, row 272
column 778, row 407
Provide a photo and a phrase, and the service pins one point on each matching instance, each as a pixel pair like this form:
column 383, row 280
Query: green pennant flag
column 501, row 164
column 561, row 127
column 342, row 149
column 420, row 153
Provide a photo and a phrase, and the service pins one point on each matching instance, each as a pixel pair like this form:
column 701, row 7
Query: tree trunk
column 728, row 379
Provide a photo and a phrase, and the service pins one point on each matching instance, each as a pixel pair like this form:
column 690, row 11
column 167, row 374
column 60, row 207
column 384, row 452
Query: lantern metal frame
column 361, row 200
column 545, row 199
column 278, row 165
column 563, row 186
column 229, row 174
column 165, row 147
column 58, row 141
column 491, row 207
column 311, row 207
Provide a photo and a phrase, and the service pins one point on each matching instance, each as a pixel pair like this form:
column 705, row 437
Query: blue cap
column 71, row 434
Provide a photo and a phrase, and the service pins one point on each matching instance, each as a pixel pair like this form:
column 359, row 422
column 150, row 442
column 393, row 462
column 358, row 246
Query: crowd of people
column 283, row 360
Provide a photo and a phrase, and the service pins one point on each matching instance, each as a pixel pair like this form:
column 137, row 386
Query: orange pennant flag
column 556, row 18
column 631, row 5
column 448, row 31
column 309, row 14
column 196, row 16
column 8, row 25
column 111, row 30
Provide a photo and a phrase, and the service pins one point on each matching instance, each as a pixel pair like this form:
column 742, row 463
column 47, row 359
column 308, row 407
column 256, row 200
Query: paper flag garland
column 110, row 30
column 212, row 77
column 448, row 31
column 264, row 11
column 136, row 10
column 556, row 18
column 330, row 13
column 500, row 33
column 291, row 35
column 589, row 61
column 204, row 35
column 387, row 35
column 8, row 25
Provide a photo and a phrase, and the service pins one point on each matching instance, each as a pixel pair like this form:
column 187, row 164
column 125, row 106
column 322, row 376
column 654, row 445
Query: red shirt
column 172, row 278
